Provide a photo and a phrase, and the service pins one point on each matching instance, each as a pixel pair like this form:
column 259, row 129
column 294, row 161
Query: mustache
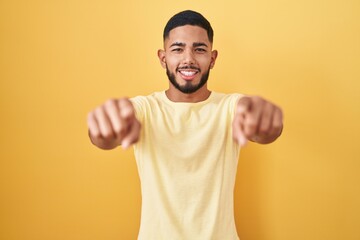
column 188, row 67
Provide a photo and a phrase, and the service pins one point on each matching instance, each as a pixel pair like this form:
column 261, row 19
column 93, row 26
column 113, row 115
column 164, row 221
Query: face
column 187, row 58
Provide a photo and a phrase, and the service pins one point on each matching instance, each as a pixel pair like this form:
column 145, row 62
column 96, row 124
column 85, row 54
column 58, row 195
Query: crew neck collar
column 165, row 97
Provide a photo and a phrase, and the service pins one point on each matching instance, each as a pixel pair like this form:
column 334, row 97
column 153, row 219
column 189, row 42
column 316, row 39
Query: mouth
column 188, row 74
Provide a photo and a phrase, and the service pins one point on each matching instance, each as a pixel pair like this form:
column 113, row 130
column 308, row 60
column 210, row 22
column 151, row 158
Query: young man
column 186, row 139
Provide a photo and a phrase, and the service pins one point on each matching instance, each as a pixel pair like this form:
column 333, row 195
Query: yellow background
column 59, row 59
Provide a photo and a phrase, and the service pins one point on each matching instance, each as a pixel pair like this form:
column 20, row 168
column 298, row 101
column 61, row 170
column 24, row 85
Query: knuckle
column 123, row 100
column 268, row 106
column 263, row 130
column 107, row 135
column 127, row 112
column 240, row 108
column 257, row 99
column 110, row 101
column 98, row 110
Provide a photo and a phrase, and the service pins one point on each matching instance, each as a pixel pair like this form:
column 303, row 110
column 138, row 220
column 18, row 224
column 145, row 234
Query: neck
column 175, row 95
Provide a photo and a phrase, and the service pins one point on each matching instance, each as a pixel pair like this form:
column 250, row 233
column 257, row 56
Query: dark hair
column 188, row 17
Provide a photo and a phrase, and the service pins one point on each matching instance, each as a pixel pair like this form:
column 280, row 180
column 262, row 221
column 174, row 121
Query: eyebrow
column 178, row 44
column 199, row 44
column 195, row 44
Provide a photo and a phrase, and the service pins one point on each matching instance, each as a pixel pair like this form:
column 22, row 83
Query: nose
column 188, row 57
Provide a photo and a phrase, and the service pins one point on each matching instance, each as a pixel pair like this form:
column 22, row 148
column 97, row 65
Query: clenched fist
column 257, row 120
column 113, row 124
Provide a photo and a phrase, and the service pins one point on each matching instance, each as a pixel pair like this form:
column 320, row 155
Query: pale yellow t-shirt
column 187, row 162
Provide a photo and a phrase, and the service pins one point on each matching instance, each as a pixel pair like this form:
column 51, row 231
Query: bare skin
column 113, row 124
column 256, row 119
column 187, row 46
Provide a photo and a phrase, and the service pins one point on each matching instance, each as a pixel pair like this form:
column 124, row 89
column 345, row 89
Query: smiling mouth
column 188, row 73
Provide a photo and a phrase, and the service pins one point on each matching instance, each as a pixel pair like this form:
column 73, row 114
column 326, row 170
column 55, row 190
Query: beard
column 188, row 87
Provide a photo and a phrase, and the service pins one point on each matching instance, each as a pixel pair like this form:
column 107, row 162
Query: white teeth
column 188, row 73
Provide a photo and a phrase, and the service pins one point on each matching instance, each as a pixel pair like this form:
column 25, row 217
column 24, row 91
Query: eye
column 201, row 50
column 176, row 49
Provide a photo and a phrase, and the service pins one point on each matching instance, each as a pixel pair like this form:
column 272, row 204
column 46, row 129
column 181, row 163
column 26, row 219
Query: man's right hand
column 113, row 124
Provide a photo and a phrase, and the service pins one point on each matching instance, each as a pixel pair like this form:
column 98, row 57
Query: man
column 186, row 139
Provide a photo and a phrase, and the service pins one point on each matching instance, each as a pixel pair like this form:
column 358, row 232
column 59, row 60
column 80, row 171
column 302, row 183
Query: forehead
column 187, row 34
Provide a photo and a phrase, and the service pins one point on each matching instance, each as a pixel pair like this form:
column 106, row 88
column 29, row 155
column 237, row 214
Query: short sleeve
column 139, row 103
column 234, row 98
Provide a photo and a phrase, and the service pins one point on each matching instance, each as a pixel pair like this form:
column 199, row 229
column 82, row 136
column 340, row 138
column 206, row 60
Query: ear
column 161, row 56
column 214, row 55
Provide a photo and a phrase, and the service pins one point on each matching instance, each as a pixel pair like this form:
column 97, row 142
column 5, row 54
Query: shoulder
column 144, row 103
column 227, row 101
column 141, row 101
column 226, row 98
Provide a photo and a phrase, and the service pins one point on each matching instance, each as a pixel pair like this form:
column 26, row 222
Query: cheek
column 205, row 64
column 204, row 59
column 171, row 64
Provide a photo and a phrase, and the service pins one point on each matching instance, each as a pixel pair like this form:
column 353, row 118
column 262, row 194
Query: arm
column 113, row 124
column 257, row 120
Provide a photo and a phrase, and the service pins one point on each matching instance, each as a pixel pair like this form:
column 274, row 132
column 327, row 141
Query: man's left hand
column 257, row 120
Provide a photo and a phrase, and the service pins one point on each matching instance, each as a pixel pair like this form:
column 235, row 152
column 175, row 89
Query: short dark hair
column 188, row 17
